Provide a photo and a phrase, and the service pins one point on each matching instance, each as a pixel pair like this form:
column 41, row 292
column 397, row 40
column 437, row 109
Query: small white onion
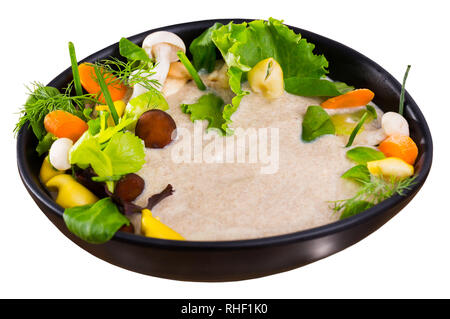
column 59, row 153
column 393, row 123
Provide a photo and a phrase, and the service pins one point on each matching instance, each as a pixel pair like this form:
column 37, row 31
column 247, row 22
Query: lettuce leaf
column 132, row 51
column 124, row 153
column 316, row 123
column 96, row 223
column 315, row 87
column 208, row 107
column 203, row 50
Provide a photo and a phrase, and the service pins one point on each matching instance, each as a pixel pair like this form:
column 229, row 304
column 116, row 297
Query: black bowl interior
column 346, row 65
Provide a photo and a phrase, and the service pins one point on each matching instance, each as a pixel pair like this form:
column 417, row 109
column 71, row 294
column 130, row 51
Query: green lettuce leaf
column 316, row 123
column 96, row 223
column 203, row 50
column 126, row 153
column 358, row 173
column 315, row 87
column 208, row 107
column 132, row 51
column 45, row 144
column 362, row 155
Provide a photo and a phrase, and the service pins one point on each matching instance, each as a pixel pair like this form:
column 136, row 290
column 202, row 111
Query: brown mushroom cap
column 156, row 128
column 129, row 187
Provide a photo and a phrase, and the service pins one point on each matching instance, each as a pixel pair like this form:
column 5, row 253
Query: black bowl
column 243, row 259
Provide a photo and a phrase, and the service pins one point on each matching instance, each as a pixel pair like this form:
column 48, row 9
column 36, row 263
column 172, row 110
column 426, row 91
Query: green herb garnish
column 192, row 71
column 107, row 96
column 129, row 73
column 372, row 192
column 45, row 99
column 402, row 93
column 316, row 123
column 356, row 129
column 96, row 223
column 358, row 173
column 362, row 154
column 76, row 74
column 132, row 51
column 203, row 49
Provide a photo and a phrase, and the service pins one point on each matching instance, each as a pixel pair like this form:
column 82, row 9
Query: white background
column 408, row 257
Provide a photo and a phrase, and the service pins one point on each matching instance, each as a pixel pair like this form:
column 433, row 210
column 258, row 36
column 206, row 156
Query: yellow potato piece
column 152, row 227
column 70, row 192
column 120, row 108
column 390, row 167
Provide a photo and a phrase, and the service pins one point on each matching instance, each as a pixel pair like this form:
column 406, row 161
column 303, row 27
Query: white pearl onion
column 59, row 153
column 393, row 123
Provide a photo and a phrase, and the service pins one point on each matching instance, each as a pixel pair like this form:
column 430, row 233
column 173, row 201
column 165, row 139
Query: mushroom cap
column 166, row 37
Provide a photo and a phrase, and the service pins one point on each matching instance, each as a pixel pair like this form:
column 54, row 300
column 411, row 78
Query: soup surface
column 235, row 200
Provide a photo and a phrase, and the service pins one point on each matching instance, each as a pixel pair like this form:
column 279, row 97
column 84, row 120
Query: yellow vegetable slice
column 48, row 171
column 390, row 167
column 70, row 192
column 153, row 227
column 120, row 108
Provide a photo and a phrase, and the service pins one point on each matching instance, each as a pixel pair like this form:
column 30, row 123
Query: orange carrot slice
column 401, row 146
column 89, row 81
column 64, row 124
column 350, row 99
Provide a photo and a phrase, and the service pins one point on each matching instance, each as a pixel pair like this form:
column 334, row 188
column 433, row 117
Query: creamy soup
column 230, row 201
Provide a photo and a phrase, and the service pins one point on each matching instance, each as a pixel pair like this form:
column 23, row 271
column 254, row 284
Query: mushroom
column 163, row 46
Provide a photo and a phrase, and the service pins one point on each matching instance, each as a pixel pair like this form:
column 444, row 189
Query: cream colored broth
column 235, row 201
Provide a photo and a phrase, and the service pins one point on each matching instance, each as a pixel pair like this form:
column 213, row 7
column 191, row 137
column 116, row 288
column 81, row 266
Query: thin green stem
column 105, row 91
column 192, row 71
column 402, row 94
column 356, row 129
column 76, row 74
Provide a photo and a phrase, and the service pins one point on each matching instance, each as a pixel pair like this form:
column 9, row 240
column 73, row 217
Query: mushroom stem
column 162, row 52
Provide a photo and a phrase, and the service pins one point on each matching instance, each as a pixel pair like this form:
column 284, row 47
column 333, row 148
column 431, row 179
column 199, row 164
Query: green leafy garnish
column 132, row 51
column 362, row 155
column 372, row 112
column 402, row 93
column 203, row 50
column 356, row 129
column 123, row 154
column 315, row 87
column 244, row 45
column 129, row 73
column 372, row 192
column 316, row 123
column 358, row 173
column 45, row 144
column 96, row 223
column 192, row 71
column 76, row 74
column 45, row 99
column 208, row 107
column 106, row 95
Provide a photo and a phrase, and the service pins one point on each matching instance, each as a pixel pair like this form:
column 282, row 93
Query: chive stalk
column 356, row 129
column 76, row 74
column 192, row 71
column 105, row 91
column 402, row 94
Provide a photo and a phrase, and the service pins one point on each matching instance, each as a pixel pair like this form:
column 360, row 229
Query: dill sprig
column 371, row 193
column 128, row 73
column 45, row 99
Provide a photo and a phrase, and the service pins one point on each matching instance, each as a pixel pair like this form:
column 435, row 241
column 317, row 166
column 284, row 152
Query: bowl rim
column 303, row 235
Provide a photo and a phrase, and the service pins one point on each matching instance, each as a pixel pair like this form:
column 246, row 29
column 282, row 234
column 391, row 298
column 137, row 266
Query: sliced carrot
column 64, row 124
column 354, row 98
column 401, row 146
column 89, row 81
